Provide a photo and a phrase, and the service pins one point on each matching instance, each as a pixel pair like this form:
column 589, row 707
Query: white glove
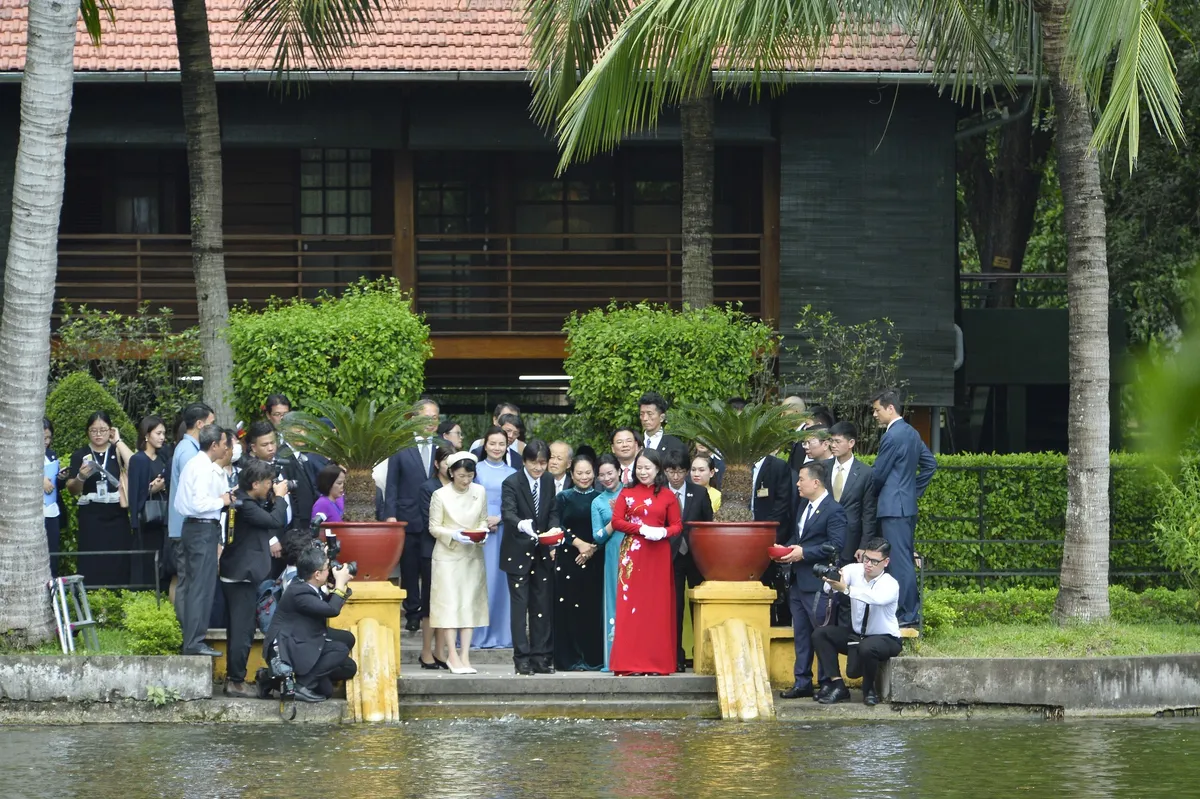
column 462, row 539
column 526, row 527
column 654, row 533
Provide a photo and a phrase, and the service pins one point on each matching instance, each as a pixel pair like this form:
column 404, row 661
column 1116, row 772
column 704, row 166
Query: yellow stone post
column 715, row 602
column 378, row 600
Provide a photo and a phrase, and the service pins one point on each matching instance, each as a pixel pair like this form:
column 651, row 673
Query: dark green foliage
column 137, row 358
column 1177, row 525
column 76, row 397
column 359, row 437
column 742, row 437
column 367, row 343
column 152, row 626
column 945, row 608
column 108, row 606
column 615, row 354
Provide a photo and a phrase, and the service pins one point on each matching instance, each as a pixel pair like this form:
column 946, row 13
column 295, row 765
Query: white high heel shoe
column 461, row 670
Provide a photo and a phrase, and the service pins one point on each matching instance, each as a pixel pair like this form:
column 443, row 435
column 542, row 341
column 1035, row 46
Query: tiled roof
column 421, row 35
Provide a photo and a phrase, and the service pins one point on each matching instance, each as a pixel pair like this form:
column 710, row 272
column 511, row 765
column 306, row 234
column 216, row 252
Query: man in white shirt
column 874, row 633
column 625, row 447
column 560, row 465
column 652, row 411
column 200, row 501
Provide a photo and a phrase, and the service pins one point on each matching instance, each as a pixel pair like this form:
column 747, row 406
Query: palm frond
column 1144, row 70
column 302, row 34
column 742, row 437
column 92, row 12
column 359, row 437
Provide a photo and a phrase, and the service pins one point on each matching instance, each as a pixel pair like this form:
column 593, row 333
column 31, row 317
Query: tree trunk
column 735, row 494
column 1083, row 592
column 697, row 195
column 40, row 172
column 203, row 128
column 359, row 497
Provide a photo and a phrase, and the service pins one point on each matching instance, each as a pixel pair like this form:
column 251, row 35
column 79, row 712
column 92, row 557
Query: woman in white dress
column 458, row 595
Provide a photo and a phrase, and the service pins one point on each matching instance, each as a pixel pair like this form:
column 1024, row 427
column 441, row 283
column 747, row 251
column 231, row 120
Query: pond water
column 516, row 758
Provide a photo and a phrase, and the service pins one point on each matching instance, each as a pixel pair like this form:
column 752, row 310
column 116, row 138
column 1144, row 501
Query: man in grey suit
column 903, row 469
column 852, row 484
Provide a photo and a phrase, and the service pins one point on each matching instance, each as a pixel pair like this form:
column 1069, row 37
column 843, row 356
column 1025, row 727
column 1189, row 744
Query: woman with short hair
column 103, row 525
column 331, row 487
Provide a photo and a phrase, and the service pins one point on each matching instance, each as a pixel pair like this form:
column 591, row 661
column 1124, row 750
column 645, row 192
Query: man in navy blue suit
column 902, row 470
column 407, row 470
column 821, row 521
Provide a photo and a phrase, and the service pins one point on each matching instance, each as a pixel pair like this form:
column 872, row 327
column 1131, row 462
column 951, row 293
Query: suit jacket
column 796, row 456
column 858, row 500
column 426, row 496
column 517, row 550
column 900, row 485
column 669, row 442
column 827, row 524
column 697, row 507
column 299, row 625
column 305, row 494
column 248, row 555
column 402, row 497
column 779, row 482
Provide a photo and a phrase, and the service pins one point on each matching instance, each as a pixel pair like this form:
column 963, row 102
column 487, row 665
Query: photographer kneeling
column 298, row 632
column 259, row 517
column 874, row 636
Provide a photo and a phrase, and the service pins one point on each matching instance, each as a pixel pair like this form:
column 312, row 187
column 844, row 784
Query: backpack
column 269, row 593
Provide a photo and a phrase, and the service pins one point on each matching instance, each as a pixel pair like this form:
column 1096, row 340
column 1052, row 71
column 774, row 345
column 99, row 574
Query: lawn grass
column 112, row 642
column 1050, row 640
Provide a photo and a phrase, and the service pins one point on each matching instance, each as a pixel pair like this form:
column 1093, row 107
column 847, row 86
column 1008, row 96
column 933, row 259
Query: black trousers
column 808, row 614
column 410, row 579
column 863, row 654
column 197, row 581
column 53, row 541
column 531, row 597
column 333, row 664
column 241, row 600
column 685, row 571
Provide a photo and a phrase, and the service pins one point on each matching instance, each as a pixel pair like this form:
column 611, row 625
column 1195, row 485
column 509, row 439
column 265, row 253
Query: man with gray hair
column 561, row 455
column 200, row 501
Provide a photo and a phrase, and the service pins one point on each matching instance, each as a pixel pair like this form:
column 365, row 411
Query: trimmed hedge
column 946, row 608
column 985, row 500
column 152, row 626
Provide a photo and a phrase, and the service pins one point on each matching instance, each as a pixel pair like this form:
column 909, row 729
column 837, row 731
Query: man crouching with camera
column 299, row 636
column 874, row 634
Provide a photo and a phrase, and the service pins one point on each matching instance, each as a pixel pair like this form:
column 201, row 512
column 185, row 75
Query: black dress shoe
column 524, row 669
column 871, row 699
column 826, row 690
column 796, row 692
column 207, row 651
column 413, row 625
column 680, row 667
column 543, row 668
column 307, row 695
column 839, row 694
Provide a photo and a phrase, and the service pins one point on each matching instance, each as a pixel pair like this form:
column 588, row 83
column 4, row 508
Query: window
column 137, row 205
column 335, row 192
column 583, row 201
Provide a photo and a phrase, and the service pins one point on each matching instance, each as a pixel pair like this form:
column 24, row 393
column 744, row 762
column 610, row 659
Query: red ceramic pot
column 731, row 551
column 376, row 546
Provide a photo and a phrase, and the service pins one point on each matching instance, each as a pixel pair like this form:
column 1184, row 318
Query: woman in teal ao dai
column 608, row 476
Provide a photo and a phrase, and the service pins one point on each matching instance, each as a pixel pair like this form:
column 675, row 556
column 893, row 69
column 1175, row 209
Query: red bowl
column 475, row 535
column 550, row 539
column 776, row 552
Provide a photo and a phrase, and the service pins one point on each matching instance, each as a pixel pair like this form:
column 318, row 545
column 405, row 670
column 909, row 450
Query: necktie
column 537, row 499
column 839, row 482
column 679, row 495
column 804, row 519
column 866, row 615
column 425, row 447
column 647, row 442
column 625, row 474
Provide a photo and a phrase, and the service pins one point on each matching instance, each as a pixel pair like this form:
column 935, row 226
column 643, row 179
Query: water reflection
column 515, row 759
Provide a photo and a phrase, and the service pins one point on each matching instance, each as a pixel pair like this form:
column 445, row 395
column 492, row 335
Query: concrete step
column 500, row 684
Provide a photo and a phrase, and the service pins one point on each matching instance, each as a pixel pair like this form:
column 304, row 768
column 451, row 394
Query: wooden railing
column 119, row 272
column 529, row 283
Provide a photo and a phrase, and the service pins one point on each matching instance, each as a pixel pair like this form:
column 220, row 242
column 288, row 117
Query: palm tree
column 40, row 172
column 565, row 37
column 971, row 45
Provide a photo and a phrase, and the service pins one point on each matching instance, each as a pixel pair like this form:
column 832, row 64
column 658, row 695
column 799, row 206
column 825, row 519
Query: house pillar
column 404, row 244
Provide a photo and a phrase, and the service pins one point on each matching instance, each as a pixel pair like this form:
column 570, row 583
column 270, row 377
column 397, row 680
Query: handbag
column 154, row 512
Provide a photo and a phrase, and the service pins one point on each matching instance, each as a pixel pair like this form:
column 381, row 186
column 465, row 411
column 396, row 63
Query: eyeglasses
column 98, row 431
column 873, row 561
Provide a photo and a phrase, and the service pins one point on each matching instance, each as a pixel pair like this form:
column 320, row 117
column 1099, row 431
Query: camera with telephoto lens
column 332, row 549
column 281, row 477
column 286, row 677
column 829, row 571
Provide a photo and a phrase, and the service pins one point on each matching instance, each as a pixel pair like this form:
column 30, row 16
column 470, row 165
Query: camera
column 280, row 477
column 827, row 570
column 286, row 677
column 332, row 549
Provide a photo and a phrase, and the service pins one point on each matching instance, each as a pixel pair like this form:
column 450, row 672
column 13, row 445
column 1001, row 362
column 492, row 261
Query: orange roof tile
column 420, row 35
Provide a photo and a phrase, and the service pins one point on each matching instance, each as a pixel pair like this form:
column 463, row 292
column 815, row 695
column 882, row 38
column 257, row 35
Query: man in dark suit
column 527, row 507
column 652, row 410
column 852, row 484
column 407, row 470
column 903, row 469
column 299, row 629
column 694, row 506
column 771, row 501
column 821, row 521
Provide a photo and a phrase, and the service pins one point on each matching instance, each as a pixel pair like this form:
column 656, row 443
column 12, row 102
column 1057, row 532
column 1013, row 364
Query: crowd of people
column 576, row 560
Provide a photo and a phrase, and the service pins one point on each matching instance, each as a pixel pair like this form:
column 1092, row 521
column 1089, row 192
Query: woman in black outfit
column 149, row 475
column 103, row 525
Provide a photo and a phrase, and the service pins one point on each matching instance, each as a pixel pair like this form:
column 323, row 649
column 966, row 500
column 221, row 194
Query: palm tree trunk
column 1083, row 592
column 359, row 497
column 697, row 195
column 203, row 128
column 40, row 172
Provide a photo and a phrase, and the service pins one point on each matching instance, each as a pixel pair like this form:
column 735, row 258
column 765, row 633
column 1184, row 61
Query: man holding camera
column 299, row 631
column 874, row 635
column 816, row 540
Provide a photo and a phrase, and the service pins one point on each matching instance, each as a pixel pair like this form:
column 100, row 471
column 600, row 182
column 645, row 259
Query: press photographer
column 259, row 521
column 874, row 633
column 299, row 634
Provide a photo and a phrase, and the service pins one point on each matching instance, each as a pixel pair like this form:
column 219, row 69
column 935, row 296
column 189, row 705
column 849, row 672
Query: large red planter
column 731, row 551
column 376, row 546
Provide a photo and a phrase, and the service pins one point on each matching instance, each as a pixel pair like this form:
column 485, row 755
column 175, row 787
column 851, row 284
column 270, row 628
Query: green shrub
column 937, row 612
column 1154, row 605
column 1177, row 525
column 108, row 606
column 615, row 354
column 367, row 343
column 76, row 397
column 152, row 626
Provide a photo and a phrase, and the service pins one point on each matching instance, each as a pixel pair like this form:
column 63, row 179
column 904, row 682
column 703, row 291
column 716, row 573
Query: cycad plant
column 742, row 437
column 355, row 439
